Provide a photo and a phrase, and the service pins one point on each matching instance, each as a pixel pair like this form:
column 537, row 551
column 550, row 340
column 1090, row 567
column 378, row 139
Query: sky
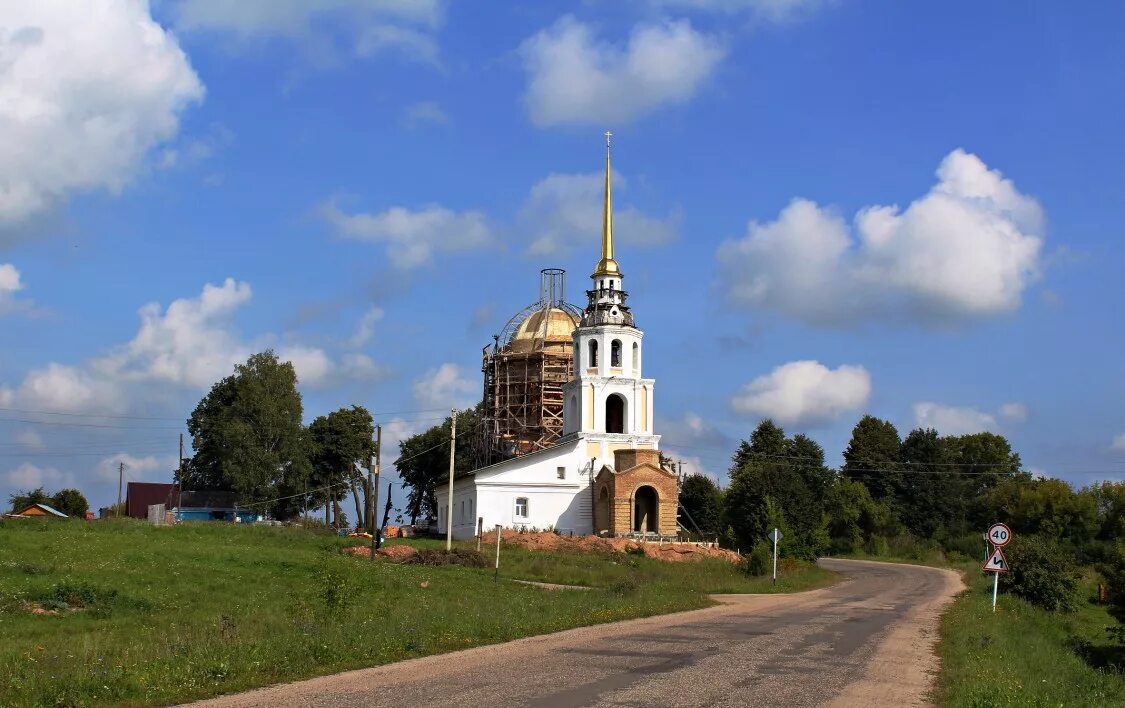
column 823, row 209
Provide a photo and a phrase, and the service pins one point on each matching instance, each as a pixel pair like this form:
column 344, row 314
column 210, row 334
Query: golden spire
column 607, row 265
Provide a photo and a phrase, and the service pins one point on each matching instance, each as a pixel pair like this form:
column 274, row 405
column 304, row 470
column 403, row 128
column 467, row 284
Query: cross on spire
column 608, row 136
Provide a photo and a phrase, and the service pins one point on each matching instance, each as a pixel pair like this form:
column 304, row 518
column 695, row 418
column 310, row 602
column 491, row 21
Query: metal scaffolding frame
column 523, row 378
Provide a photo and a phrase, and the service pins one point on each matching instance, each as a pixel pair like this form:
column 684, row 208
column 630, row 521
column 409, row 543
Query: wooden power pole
column 120, row 479
column 373, row 492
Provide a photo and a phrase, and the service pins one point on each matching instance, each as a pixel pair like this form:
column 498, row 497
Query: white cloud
column 405, row 26
column 967, row 249
column 952, row 420
column 564, row 211
column 10, row 284
column 1118, row 444
column 804, row 392
column 365, row 328
column 28, row 476
column 446, row 387
column 189, row 344
column 771, row 10
column 573, row 78
column 86, row 91
column 412, row 236
column 30, row 439
column 424, row 113
column 1014, row 411
column 136, row 468
column 1037, row 472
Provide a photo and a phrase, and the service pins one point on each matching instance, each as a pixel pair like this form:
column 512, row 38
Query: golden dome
column 548, row 328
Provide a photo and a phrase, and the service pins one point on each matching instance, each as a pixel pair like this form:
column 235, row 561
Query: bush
column 1042, row 573
column 1113, row 569
column 760, row 560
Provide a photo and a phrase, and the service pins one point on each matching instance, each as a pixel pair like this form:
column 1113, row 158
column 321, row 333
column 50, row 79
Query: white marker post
column 999, row 535
column 775, row 536
column 498, row 527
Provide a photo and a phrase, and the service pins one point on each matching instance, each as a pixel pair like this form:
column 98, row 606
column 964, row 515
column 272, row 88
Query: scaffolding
column 524, row 369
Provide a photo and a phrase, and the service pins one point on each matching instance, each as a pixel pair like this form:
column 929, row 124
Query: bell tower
column 608, row 402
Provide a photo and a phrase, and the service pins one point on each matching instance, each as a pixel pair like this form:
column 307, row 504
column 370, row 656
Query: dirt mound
column 596, row 544
column 392, row 553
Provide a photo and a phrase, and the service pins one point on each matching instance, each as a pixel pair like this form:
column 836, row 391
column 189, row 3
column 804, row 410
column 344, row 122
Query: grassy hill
column 139, row 615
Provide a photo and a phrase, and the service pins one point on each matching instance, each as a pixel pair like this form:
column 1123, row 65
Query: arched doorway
column 615, row 413
column 646, row 506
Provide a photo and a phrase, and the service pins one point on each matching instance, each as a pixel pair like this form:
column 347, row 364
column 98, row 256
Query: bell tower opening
column 646, row 505
column 615, row 413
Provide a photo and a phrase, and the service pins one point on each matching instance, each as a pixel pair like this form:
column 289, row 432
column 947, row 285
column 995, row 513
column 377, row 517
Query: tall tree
column 22, row 500
column 71, row 502
column 933, row 498
column 423, row 462
column 702, row 504
column 874, row 457
column 341, row 445
column 248, row 437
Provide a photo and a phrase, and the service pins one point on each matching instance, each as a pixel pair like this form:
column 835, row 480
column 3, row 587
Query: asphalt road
column 865, row 641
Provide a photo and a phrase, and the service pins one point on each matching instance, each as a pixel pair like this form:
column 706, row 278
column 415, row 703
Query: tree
column 772, row 472
column 932, row 499
column 22, row 500
column 702, row 504
column 71, row 502
column 1049, row 507
column 248, row 437
column 854, row 518
column 423, row 463
column 874, row 457
column 341, row 445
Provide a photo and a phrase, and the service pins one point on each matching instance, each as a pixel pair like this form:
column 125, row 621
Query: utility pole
column 449, row 506
column 180, row 481
column 373, row 492
column 120, row 479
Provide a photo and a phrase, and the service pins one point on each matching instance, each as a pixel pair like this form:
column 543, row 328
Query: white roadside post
column 498, row 527
column 775, row 536
column 999, row 535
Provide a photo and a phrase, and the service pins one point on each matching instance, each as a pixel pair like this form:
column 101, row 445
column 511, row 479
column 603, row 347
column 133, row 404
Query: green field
column 1023, row 656
column 172, row 614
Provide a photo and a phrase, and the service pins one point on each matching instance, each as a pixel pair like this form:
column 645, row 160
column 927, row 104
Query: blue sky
column 823, row 208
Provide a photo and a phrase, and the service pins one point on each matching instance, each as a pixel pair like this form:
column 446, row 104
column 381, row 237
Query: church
column 603, row 474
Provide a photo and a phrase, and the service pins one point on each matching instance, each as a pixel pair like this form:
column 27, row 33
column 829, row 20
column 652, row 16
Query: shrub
column 1042, row 573
column 1113, row 569
column 333, row 587
column 760, row 560
column 622, row 586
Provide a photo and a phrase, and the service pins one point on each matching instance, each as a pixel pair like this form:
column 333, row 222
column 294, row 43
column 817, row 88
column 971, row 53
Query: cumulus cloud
column 770, row 10
column 574, row 78
column 685, row 439
column 10, row 285
column 967, row 249
column 804, row 392
column 30, row 439
column 372, row 26
column 365, row 328
column 106, row 470
column 952, row 420
column 190, row 344
column 564, row 211
column 412, row 237
column 86, row 91
column 446, row 387
column 28, row 476
column 1118, row 444
column 1014, row 411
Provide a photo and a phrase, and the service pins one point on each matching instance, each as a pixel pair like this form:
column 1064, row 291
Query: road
column 866, row 641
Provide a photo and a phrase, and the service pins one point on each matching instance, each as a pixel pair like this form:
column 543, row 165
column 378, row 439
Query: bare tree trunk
column 360, row 521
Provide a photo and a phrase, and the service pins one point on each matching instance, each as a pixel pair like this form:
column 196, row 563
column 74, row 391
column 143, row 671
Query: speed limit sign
column 999, row 535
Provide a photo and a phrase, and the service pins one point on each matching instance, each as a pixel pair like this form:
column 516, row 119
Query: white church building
column 604, row 474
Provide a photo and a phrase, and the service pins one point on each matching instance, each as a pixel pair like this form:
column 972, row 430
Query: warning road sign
column 996, row 563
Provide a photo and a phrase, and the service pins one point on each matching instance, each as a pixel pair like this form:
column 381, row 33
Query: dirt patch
column 595, row 544
column 392, row 553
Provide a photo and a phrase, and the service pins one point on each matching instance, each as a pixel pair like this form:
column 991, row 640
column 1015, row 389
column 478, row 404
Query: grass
column 150, row 615
column 1024, row 656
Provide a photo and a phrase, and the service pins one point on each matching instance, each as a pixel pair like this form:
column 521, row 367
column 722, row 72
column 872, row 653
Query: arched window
column 574, row 407
column 614, row 414
column 593, row 352
column 636, row 359
column 615, row 354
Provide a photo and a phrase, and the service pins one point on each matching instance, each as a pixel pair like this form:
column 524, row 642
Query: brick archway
column 646, row 510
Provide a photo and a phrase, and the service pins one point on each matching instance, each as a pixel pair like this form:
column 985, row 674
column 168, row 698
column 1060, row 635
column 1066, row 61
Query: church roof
column 547, row 328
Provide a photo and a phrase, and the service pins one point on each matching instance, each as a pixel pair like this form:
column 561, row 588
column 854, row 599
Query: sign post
column 999, row 535
column 775, row 536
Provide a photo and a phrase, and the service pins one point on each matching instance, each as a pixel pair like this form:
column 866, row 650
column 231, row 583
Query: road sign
column 999, row 535
column 775, row 535
column 996, row 563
